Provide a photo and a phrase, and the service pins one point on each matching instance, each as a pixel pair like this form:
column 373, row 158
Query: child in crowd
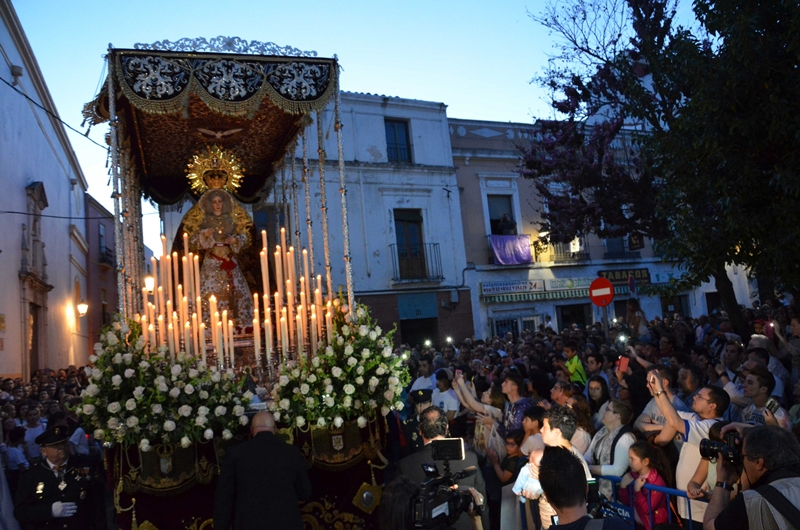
column 506, row 472
column 648, row 466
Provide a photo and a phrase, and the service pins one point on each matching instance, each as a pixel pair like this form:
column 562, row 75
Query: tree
column 668, row 134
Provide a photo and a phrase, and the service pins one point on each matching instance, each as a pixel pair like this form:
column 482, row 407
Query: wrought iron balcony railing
column 417, row 263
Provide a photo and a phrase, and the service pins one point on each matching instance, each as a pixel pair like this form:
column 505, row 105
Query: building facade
column 406, row 240
column 43, row 241
column 515, row 284
column 101, row 268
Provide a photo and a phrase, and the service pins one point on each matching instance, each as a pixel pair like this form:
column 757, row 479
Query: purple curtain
column 511, row 250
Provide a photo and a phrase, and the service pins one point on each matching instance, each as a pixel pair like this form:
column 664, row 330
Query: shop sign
column 521, row 286
column 620, row 276
column 563, row 284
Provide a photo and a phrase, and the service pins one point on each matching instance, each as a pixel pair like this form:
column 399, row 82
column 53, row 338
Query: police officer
column 421, row 399
column 61, row 491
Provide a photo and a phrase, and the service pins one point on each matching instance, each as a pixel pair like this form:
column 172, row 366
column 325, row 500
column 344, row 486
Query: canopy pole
column 122, row 305
column 324, row 204
column 310, row 236
column 348, row 265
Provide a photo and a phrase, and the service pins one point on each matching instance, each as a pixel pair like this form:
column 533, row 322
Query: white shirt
column 754, row 415
column 424, row 383
column 696, row 430
column 446, row 400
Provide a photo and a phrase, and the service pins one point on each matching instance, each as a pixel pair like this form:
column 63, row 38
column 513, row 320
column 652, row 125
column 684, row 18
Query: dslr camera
column 730, row 450
column 437, row 504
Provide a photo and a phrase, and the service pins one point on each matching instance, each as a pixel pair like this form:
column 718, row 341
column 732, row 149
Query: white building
column 406, row 238
column 43, row 243
column 510, row 297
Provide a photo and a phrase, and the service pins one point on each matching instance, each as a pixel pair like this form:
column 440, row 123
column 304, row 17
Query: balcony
column 617, row 248
column 107, row 258
column 565, row 253
column 418, row 263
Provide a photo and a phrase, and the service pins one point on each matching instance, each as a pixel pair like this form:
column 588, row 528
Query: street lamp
column 83, row 307
column 149, row 284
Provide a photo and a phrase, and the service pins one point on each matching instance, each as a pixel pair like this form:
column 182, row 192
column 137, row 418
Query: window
column 410, row 248
column 102, row 236
column 397, row 144
column 501, row 215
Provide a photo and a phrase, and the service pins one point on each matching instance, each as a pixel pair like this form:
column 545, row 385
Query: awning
column 547, row 295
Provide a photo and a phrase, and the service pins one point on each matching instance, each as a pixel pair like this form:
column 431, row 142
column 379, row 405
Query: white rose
column 373, row 382
column 296, row 373
column 363, row 330
column 193, row 373
column 348, row 350
column 132, row 422
column 130, row 404
column 365, row 353
column 117, row 359
column 113, row 424
column 349, row 389
column 309, row 402
column 138, row 392
column 200, row 421
column 385, row 410
column 345, row 330
column 169, row 425
column 144, row 445
column 99, row 434
column 116, row 380
column 339, row 340
column 304, row 388
column 296, row 390
column 185, row 411
column 220, row 411
column 336, row 372
column 329, row 350
column 373, row 335
column 88, row 409
column 284, row 404
column 130, row 372
column 93, row 359
column 116, row 326
column 188, row 390
column 156, row 408
column 321, row 422
column 202, row 410
column 380, row 370
column 347, row 401
column 300, row 421
column 160, row 379
column 244, row 420
column 96, row 374
column 248, row 396
column 113, row 407
column 312, row 378
column 329, row 389
column 394, row 381
column 360, row 313
column 360, row 370
column 215, row 377
column 176, row 369
column 362, row 421
column 372, row 403
column 399, row 406
column 238, row 410
column 329, row 401
column 226, row 434
column 338, row 421
column 139, row 343
column 175, row 392
column 127, row 358
column 277, row 415
column 315, row 362
column 92, row 390
column 387, row 351
column 185, row 442
column 351, row 361
column 283, row 380
column 389, row 395
column 208, row 434
column 359, row 380
column 124, row 328
column 162, row 387
column 203, row 394
column 98, row 347
column 357, row 405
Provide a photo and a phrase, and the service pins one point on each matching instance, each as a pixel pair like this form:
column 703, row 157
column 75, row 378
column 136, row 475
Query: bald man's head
column 262, row 421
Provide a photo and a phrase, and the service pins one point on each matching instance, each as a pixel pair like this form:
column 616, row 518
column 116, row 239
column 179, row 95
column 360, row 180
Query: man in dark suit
column 262, row 482
column 63, row 490
column 433, row 426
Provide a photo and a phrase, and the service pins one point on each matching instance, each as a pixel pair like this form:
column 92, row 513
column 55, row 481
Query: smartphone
column 623, row 364
column 772, row 405
column 554, row 519
column 458, row 374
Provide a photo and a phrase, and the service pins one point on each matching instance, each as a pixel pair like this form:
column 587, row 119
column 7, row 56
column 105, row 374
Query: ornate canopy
column 173, row 104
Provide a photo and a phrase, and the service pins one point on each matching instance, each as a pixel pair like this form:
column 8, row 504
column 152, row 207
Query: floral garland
column 137, row 397
column 354, row 377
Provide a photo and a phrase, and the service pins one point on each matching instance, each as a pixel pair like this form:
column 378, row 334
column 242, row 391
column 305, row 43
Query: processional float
column 220, row 125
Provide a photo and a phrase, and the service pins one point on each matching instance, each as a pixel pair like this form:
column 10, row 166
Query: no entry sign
column 601, row 292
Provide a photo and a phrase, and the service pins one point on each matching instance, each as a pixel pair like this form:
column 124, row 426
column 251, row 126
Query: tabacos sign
column 620, row 276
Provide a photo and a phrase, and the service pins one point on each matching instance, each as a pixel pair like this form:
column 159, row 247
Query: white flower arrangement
column 330, row 388
column 131, row 402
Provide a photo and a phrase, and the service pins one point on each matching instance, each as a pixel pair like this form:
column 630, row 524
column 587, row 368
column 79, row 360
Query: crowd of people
column 632, row 402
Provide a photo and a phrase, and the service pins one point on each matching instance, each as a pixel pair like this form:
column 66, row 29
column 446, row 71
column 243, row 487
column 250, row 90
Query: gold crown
column 214, row 168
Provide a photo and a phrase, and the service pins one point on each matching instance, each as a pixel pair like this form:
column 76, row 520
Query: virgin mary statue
column 219, row 229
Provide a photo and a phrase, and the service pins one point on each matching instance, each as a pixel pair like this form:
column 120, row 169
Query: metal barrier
column 621, row 509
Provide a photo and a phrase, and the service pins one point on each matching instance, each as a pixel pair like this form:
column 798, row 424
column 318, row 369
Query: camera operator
column 770, row 476
column 395, row 509
column 433, row 426
column 564, row 484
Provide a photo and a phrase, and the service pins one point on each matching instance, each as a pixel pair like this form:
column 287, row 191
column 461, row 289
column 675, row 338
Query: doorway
column 580, row 314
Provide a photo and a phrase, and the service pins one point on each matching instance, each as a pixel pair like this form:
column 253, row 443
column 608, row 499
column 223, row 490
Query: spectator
column 598, row 398
column 648, row 466
column 560, row 393
column 758, row 387
column 491, row 404
column 637, row 320
column 585, row 426
column 573, row 364
column 690, row 379
column 426, row 380
column 506, row 473
column 444, row 396
column 532, row 423
column 651, row 419
column 608, row 453
column 514, row 408
column 762, row 355
column 790, row 347
column 33, row 428
column 771, row 467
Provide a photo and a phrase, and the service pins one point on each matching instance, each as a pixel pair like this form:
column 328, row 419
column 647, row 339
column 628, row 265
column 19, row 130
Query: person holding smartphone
column 764, row 410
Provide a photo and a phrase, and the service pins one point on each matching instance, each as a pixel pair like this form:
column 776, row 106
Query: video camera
column 437, row 504
column 730, row 450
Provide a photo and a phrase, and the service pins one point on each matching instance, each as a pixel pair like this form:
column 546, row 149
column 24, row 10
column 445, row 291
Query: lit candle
column 218, row 346
column 185, row 309
column 195, row 335
column 264, row 240
column 186, row 279
column 185, row 244
column 277, row 303
column 187, row 333
column 152, row 333
column 279, row 275
column 151, row 313
column 329, row 327
column 308, row 287
column 145, row 331
column 154, row 272
column 224, row 331
column 320, row 320
column 161, row 330
column 161, row 305
column 290, row 314
column 304, row 311
column 179, row 303
column 255, row 304
column 268, row 340
column 284, row 337
column 163, row 245
column 292, row 268
column 212, row 310
column 176, row 332
column 190, row 292
column 264, row 271
column 313, row 332
column 266, row 305
column 203, row 340
column 171, row 342
column 230, row 342
column 196, row 278
column 168, row 312
column 175, row 278
column 283, row 237
column 168, row 295
column 257, row 340
column 299, row 325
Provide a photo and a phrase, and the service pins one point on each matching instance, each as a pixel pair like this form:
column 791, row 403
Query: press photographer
column 769, row 469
